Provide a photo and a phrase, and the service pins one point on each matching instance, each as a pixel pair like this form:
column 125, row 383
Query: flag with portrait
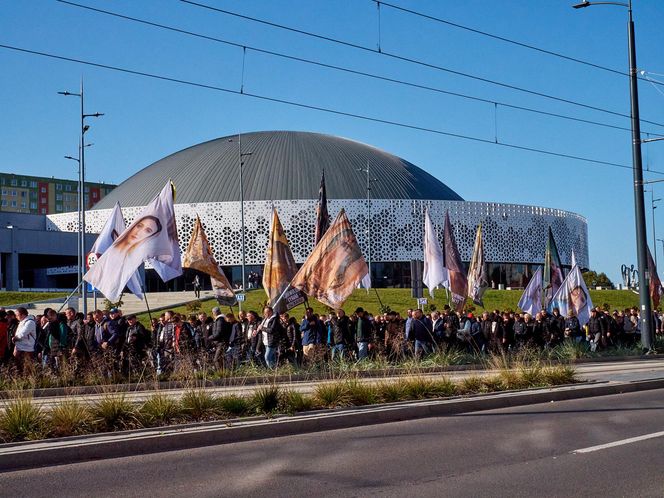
column 199, row 257
column 552, row 278
column 434, row 273
column 279, row 269
column 478, row 281
column 458, row 282
column 573, row 295
column 335, row 267
column 113, row 228
column 151, row 237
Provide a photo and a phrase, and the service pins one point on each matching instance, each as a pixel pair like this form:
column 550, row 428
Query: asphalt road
column 525, row 451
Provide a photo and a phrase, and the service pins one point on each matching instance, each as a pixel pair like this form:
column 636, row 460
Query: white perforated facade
column 512, row 233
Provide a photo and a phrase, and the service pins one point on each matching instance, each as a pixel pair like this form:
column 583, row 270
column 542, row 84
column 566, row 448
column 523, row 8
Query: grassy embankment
column 10, row 298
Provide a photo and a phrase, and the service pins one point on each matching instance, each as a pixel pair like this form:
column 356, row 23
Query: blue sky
column 147, row 119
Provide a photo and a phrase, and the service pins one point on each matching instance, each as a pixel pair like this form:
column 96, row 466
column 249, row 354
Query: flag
column 280, row 268
column 655, row 283
column 365, row 283
column 531, row 299
column 113, row 228
column 322, row 216
column 152, row 236
column 478, row 281
column 458, row 281
column 434, row 273
column 199, row 257
column 573, row 295
column 552, row 278
column 335, row 267
column 573, row 259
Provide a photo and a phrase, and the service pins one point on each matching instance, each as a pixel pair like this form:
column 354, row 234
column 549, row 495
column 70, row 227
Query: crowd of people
column 121, row 344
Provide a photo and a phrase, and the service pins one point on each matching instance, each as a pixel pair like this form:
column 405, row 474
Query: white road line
column 620, row 443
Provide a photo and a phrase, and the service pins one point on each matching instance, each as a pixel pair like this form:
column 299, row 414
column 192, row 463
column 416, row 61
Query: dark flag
column 335, row 267
column 655, row 282
column 552, row 278
column 458, row 281
column 322, row 216
column 478, row 281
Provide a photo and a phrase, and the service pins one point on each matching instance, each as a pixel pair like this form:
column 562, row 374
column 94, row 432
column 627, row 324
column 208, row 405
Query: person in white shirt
column 24, row 339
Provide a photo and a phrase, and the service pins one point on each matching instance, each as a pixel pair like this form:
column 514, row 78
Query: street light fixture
column 81, row 191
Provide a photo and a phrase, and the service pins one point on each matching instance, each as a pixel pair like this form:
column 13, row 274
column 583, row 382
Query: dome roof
column 282, row 165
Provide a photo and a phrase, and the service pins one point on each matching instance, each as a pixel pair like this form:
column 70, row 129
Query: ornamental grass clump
column 295, row 402
column 472, row 385
column 391, row 392
column 22, row 420
column 265, row 400
column 159, row 409
column 331, row 395
column 233, row 405
column 70, row 418
column 200, row 404
column 559, row 374
column 114, row 412
column 359, row 393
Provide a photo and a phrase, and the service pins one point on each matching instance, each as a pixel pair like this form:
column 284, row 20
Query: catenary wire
column 341, row 68
column 318, row 108
column 414, row 61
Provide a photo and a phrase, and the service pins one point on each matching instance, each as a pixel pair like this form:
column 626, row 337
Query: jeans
column 338, row 350
column 422, row 347
column 271, row 356
column 362, row 350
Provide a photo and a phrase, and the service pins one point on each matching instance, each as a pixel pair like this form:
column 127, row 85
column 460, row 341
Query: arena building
column 283, row 169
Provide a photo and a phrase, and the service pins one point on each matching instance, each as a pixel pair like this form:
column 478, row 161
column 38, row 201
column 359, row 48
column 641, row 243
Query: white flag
column 365, row 283
column 113, row 228
column 573, row 259
column 152, row 236
column 573, row 295
column 531, row 299
column 435, row 273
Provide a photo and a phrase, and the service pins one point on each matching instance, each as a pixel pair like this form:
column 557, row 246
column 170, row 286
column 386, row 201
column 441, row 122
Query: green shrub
column 331, row 394
column 114, row 412
column 294, row 402
column 472, row 385
column 390, row 392
column 359, row 393
column 199, row 404
column 160, row 409
column 265, row 400
column 69, row 418
column 233, row 405
column 559, row 374
column 22, row 420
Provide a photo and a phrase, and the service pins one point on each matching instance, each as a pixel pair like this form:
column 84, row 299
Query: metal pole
column 641, row 233
column 79, row 276
column 654, row 235
column 239, row 152
column 84, row 289
column 369, row 221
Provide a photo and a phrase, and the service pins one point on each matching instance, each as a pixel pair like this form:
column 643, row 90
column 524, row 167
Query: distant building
column 39, row 195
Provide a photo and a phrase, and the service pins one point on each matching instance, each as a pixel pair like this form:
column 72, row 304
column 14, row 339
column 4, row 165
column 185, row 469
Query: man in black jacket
column 272, row 332
column 219, row 337
column 596, row 330
column 362, row 334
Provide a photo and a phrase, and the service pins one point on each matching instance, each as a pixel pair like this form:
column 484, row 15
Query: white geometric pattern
column 512, row 233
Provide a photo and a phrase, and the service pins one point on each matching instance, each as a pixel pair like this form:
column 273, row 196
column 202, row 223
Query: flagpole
column 147, row 305
column 276, row 303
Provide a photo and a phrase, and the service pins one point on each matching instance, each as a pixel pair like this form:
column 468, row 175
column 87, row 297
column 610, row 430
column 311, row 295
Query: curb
column 294, row 378
column 15, row 456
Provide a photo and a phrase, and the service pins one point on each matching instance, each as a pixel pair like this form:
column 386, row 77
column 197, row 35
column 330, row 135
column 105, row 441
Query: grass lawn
column 9, row 298
column 400, row 300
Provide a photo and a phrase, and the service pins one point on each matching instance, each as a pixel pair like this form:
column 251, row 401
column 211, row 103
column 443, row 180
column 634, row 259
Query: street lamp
column 639, row 208
column 240, row 156
column 81, row 191
column 368, row 232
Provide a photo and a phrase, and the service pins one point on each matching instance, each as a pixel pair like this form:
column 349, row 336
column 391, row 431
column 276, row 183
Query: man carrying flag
column 322, row 216
column 280, row 268
column 435, row 273
column 458, row 281
column 199, row 257
column 113, row 228
column 478, row 281
column 334, row 268
column 152, row 236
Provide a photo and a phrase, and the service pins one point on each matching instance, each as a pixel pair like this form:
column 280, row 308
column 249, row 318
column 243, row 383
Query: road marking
column 620, row 443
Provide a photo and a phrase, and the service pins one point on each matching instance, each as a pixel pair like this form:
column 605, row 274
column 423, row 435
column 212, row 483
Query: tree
column 593, row 279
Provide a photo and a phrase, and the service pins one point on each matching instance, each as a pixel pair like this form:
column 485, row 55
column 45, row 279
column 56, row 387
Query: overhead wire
column 318, row 108
column 412, row 61
column 402, row 82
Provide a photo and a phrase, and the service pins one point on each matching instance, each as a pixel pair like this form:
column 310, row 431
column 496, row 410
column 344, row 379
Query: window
column 33, row 205
column 87, row 199
column 4, row 191
column 24, row 183
column 13, row 193
column 58, row 186
column 33, row 184
column 4, row 203
column 23, row 194
column 2, row 181
column 58, row 197
column 58, row 207
column 44, row 200
column 24, row 205
column 43, row 210
column 87, row 189
column 13, row 204
column 68, row 188
column 13, row 182
column 43, row 190
column 94, row 195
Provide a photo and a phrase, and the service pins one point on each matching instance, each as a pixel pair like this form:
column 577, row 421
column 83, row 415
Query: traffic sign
column 91, row 259
column 422, row 301
column 241, row 298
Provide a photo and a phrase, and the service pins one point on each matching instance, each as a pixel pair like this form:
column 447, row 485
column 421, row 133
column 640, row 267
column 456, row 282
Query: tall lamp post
column 81, row 193
column 370, row 180
column 654, row 235
column 641, row 234
column 240, row 156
